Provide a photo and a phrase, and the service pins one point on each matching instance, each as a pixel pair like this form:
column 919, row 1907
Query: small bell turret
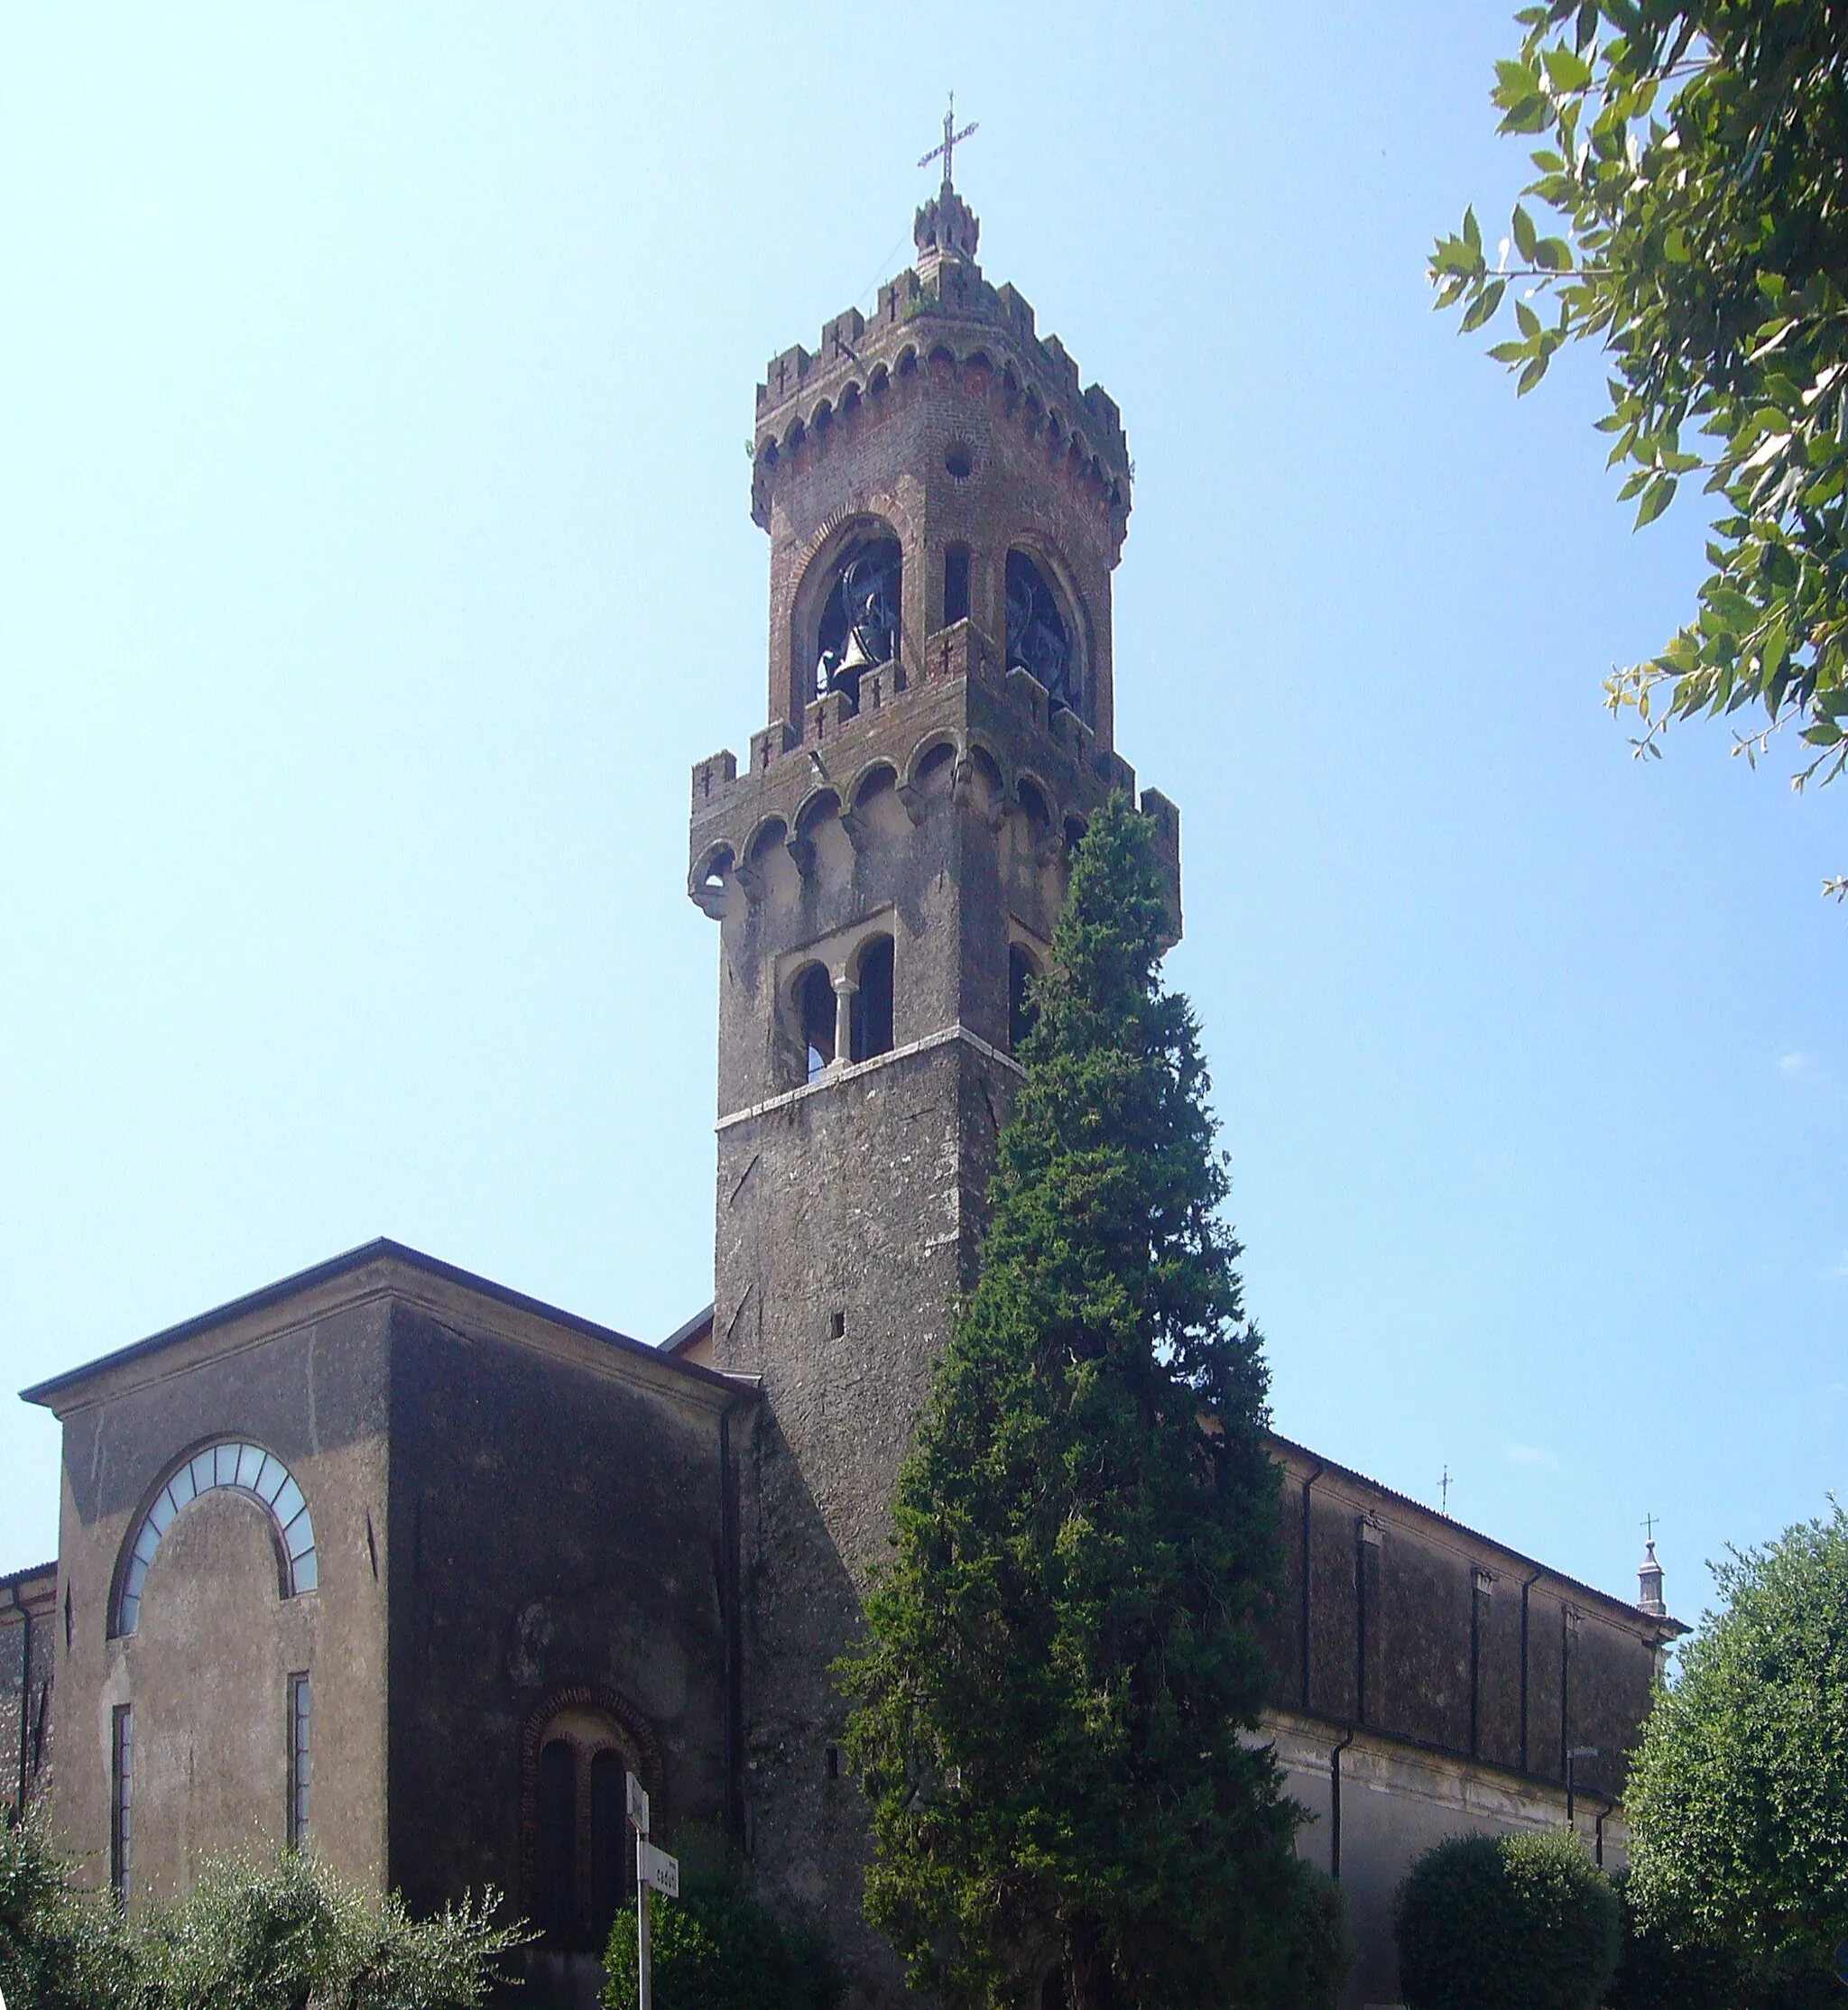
column 1649, row 1583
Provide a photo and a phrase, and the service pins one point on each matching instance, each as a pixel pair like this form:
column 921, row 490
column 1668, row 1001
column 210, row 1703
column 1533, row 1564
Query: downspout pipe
column 1321, row 1467
column 1334, row 1805
column 26, row 1693
column 1609, row 1808
column 1527, row 1586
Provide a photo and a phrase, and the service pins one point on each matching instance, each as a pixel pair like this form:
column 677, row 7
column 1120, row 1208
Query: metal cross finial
column 952, row 139
column 1444, row 1484
column 1648, row 1527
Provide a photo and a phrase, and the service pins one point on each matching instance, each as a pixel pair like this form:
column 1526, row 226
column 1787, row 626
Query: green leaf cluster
column 1738, row 1798
column 1506, row 1922
column 60, row 1949
column 1657, row 1971
column 1695, row 156
column 281, row 1932
column 719, row 1949
column 1063, row 1655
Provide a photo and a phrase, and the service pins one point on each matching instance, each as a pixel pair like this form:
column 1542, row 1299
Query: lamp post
column 1576, row 1753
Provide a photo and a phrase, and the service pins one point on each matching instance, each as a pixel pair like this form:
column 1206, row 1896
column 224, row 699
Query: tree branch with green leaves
column 1692, row 182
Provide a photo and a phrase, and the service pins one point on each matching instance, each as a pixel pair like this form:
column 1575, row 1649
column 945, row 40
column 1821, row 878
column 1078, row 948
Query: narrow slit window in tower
column 872, row 1003
column 956, row 585
column 815, row 1009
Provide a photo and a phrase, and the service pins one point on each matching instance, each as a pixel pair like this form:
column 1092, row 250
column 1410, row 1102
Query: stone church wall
column 558, row 1531
column 1427, row 1682
column 206, row 1671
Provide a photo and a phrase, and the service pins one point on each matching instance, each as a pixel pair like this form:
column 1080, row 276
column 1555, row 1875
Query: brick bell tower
column 945, row 507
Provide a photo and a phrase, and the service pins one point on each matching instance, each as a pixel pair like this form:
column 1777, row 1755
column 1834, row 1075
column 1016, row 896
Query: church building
column 391, row 1561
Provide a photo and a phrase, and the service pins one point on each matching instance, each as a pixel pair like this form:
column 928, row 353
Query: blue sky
column 375, row 559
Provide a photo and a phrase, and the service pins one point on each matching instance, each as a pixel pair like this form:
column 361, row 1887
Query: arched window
column 859, row 626
column 1022, row 1012
column 612, row 1873
column 872, row 1013
column 239, row 1467
column 557, row 1880
column 579, row 1851
column 1039, row 634
column 815, row 1012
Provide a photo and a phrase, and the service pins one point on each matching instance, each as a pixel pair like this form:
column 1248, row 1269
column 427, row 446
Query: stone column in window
column 846, row 987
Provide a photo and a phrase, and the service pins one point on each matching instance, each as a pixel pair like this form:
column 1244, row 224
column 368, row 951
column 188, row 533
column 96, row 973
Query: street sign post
column 655, row 1870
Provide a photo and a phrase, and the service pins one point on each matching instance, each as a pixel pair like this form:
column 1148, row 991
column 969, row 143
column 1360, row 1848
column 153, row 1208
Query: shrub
column 256, row 1933
column 1506, row 1922
column 282, row 1932
column 1323, row 1953
column 1657, row 1972
column 719, row 1949
column 60, row 1949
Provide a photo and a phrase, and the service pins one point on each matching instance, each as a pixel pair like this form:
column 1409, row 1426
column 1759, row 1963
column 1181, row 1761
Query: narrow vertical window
column 871, row 1014
column 121, row 1797
column 612, row 1875
column 558, row 1840
column 301, row 1767
column 956, row 585
column 814, row 1003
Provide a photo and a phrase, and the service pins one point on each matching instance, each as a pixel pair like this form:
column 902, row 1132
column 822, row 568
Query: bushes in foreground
column 1507, row 1922
column 276, row 1932
column 717, row 1948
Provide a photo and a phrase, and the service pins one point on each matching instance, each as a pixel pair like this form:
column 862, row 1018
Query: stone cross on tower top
column 952, row 139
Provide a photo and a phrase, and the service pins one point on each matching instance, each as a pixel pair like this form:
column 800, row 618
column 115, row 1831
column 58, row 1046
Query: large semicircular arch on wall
column 233, row 1465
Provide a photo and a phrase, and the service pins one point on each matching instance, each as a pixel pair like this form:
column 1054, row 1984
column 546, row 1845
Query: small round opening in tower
column 958, row 463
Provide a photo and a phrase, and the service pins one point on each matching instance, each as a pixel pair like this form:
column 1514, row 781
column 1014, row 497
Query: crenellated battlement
column 941, row 311
column 1007, row 749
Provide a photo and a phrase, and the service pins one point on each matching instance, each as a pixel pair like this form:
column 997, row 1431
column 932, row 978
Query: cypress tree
column 1064, row 1650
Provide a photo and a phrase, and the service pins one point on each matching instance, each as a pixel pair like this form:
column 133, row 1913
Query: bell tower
column 944, row 506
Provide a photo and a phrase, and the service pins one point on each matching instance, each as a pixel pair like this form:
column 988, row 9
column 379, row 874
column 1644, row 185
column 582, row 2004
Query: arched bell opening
column 1043, row 634
column 849, row 609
